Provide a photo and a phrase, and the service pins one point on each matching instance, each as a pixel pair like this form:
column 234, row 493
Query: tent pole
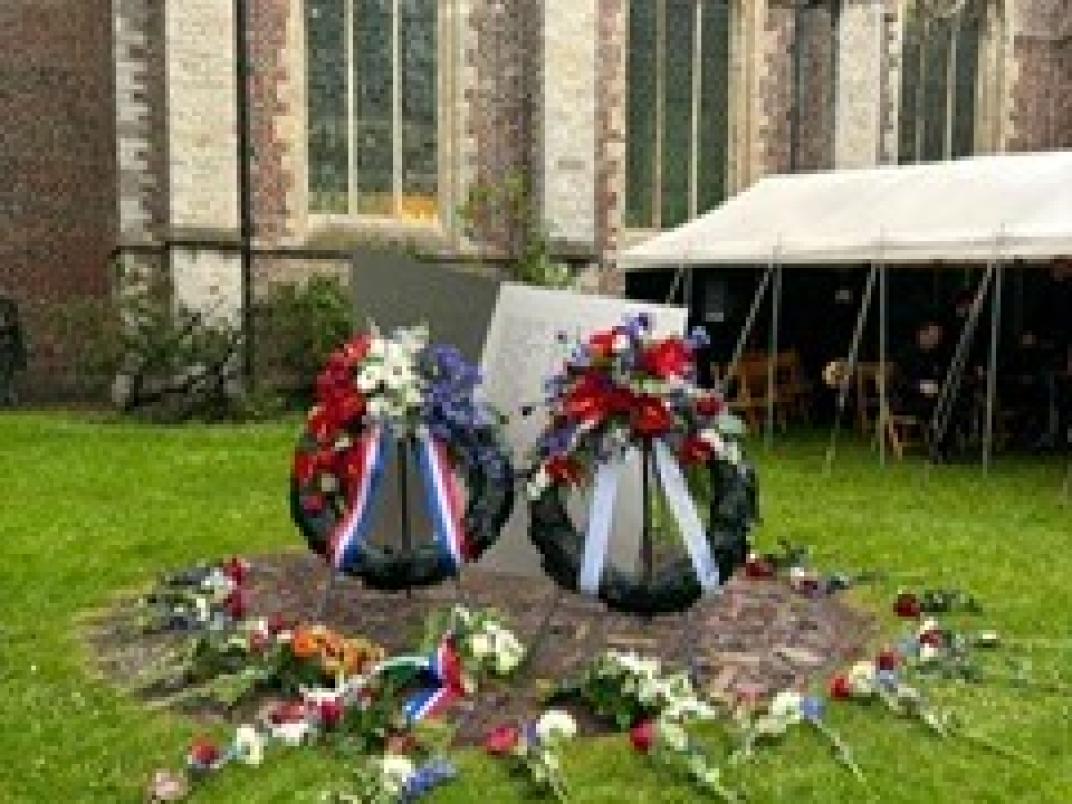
column 992, row 379
column 749, row 323
column 943, row 409
column 883, row 394
column 776, row 303
column 850, row 371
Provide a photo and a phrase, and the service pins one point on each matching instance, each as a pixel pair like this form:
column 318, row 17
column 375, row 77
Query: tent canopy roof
column 970, row 210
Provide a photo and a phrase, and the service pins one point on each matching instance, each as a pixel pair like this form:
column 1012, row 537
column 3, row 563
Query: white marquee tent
column 970, row 210
column 986, row 210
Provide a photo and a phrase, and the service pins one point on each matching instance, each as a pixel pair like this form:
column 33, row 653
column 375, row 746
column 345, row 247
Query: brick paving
column 755, row 638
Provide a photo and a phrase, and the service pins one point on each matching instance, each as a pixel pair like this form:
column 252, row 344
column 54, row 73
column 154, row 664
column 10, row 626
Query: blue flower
column 812, row 708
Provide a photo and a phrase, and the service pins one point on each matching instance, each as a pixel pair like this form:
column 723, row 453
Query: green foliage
column 528, row 246
column 297, row 327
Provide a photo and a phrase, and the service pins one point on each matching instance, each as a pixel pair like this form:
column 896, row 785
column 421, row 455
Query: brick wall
column 272, row 176
column 610, row 137
column 1042, row 89
column 776, row 76
column 57, row 167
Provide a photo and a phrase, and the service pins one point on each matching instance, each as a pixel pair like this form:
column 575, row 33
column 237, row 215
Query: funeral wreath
column 623, row 391
column 380, row 397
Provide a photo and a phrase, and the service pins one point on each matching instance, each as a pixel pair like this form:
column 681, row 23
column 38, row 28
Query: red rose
column 642, row 736
column 502, row 740
column 330, row 714
column 292, row 712
column 840, row 688
column 758, row 568
column 588, row 400
column 357, row 349
column 323, row 426
column 620, row 401
column 348, row 466
column 907, row 605
column 651, row 418
column 348, row 407
column 565, row 470
column 667, row 359
column 710, row 405
column 696, row 451
column 305, row 468
column 602, row 344
column 887, row 660
column 204, row 753
column 237, row 570
column 236, row 604
column 932, row 637
column 314, row 503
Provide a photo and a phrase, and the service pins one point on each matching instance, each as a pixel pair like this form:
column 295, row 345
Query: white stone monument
column 521, row 351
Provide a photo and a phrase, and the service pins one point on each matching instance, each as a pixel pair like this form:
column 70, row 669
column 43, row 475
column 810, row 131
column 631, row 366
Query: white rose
column 786, row 706
column 928, row 653
column 862, row 678
column 395, row 770
column 556, row 724
column 249, row 746
column 377, row 348
column 292, row 734
column 506, row 662
column 480, row 645
column 673, row 735
column 369, row 378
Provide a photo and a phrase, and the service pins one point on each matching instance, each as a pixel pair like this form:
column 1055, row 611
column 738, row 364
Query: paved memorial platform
column 753, row 639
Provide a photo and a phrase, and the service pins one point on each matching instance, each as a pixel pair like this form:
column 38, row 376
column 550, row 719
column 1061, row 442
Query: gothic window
column 677, row 110
column 372, row 103
column 939, row 79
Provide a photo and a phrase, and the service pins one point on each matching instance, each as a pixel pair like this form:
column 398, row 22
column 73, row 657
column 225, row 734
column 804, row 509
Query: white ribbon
column 684, row 510
column 682, row 507
column 598, row 537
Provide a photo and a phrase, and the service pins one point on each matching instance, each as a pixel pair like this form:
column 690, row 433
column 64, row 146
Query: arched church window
column 677, row 120
column 372, row 107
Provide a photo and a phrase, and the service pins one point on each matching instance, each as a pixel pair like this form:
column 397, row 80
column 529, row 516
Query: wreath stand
column 650, row 484
column 403, row 447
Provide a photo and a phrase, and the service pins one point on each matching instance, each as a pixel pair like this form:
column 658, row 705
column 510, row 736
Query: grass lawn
column 90, row 509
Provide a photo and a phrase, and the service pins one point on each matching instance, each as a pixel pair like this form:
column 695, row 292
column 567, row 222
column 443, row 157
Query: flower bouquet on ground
column 534, row 750
column 621, row 392
column 400, row 397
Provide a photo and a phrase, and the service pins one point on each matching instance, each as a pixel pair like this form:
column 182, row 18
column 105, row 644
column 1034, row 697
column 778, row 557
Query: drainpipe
column 245, row 213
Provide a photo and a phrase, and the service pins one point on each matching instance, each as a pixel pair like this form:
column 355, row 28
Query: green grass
column 91, row 509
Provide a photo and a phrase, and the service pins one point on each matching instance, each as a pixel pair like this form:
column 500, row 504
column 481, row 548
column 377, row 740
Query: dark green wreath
column 489, row 481
column 674, row 588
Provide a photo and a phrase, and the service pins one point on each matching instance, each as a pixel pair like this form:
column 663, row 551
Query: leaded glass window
column 373, row 107
column 939, row 79
column 677, row 110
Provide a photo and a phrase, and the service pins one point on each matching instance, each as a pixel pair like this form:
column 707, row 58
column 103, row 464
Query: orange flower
column 304, row 644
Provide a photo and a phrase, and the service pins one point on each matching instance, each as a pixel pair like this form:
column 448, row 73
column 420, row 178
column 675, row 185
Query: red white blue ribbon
column 445, row 667
column 442, row 497
column 352, row 530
